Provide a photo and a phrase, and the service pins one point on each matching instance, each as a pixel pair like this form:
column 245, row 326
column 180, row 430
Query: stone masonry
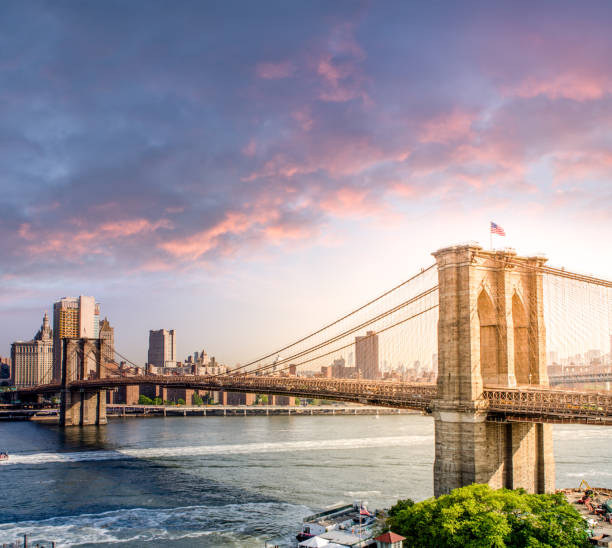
column 81, row 359
column 490, row 333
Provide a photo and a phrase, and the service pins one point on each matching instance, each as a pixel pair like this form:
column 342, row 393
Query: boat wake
column 211, row 450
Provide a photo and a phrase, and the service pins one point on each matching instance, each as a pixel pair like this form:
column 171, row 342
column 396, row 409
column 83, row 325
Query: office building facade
column 107, row 334
column 366, row 356
column 73, row 317
column 32, row 361
column 162, row 348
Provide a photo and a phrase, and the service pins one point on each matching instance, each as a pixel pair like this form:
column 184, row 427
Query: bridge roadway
column 521, row 404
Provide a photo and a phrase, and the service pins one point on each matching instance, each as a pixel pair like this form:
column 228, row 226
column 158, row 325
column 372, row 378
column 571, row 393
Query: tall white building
column 162, row 348
column 32, row 361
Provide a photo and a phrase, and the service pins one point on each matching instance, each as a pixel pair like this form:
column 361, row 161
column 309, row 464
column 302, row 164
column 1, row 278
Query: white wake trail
column 206, row 450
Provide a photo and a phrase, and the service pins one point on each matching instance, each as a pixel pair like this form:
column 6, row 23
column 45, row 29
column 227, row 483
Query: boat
column 348, row 525
column 3, row 456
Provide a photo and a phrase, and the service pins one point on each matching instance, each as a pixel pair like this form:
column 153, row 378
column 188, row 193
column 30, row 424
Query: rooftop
column 390, row 537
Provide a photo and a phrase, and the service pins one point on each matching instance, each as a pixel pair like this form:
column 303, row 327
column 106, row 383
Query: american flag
column 496, row 229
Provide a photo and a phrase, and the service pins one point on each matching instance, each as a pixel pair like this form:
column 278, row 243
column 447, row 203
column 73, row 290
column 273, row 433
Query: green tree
column 264, row 399
column 144, row 400
column 157, row 401
column 399, row 506
column 196, row 399
column 297, row 401
column 477, row 516
column 181, row 401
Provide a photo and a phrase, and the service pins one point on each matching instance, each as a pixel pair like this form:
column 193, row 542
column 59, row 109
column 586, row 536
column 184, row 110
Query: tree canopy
column 477, row 516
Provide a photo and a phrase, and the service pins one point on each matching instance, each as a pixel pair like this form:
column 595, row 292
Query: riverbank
column 249, row 410
column 598, row 525
column 147, row 411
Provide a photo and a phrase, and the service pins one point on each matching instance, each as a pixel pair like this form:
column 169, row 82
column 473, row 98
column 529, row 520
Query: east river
column 227, row 481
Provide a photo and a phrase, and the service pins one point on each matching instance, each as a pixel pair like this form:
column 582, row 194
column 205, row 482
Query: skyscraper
column 366, row 356
column 107, row 334
column 73, row 317
column 162, row 348
column 32, row 361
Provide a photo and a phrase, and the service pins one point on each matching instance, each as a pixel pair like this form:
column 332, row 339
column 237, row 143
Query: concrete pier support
column 81, row 359
column 490, row 333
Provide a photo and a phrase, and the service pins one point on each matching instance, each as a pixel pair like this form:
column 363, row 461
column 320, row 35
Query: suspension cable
column 341, row 335
column 366, row 336
column 336, row 321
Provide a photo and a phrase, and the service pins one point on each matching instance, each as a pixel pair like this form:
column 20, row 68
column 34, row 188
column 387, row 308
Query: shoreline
column 121, row 411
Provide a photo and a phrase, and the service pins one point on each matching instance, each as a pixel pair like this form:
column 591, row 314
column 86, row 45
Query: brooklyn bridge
column 486, row 316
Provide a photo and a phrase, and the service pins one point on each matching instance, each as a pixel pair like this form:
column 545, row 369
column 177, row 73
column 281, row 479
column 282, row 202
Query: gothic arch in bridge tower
column 490, row 331
column 520, row 323
column 489, row 339
column 81, row 360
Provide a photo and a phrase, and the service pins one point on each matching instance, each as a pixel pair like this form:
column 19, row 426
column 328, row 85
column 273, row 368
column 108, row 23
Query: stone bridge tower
column 81, row 359
column 490, row 333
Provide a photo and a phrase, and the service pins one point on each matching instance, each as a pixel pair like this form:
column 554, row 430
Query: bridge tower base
column 490, row 332
column 81, row 359
column 471, row 450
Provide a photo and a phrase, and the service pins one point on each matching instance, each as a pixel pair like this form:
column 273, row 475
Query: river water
column 227, row 481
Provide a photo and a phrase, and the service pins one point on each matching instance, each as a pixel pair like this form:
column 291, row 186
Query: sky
column 244, row 172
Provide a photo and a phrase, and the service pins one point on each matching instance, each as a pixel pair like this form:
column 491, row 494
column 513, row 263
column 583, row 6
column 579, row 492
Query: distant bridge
column 582, row 378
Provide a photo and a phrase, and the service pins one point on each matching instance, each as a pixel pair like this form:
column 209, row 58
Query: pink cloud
column 91, row 240
column 280, row 232
column 157, row 265
column 337, row 156
column 275, row 71
column 234, row 223
column 348, row 201
column 569, row 85
column 578, row 165
column 304, row 118
column 447, row 127
column 339, row 67
column 342, row 81
column 130, row 228
column 250, row 149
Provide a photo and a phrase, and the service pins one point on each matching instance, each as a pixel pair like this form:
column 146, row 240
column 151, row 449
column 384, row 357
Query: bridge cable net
column 394, row 334
column 578, row 317
column 577, row 310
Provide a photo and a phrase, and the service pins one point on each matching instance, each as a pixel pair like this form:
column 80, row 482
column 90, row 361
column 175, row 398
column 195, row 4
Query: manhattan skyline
column 244, row 178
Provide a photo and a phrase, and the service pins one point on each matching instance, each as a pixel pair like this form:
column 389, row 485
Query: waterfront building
column 73, row 317
column 162, row 348
column 5, row 370
column 366, row 356
column 107, row 334
column 32, row 361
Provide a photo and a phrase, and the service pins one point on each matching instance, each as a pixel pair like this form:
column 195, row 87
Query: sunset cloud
column 190, row 156
column 275, row 71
